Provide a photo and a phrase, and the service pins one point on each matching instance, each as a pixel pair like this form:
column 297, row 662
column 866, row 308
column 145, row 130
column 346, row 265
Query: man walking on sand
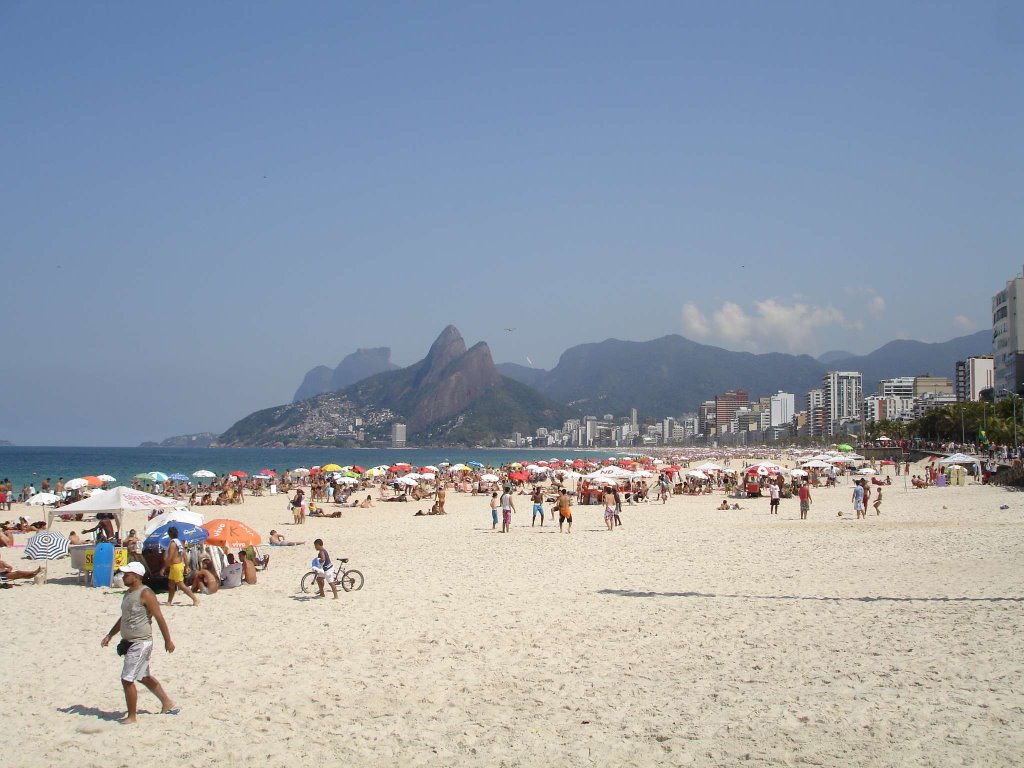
column 538, row 506
column 858, row 499
column 174, row 565
column 138, row 609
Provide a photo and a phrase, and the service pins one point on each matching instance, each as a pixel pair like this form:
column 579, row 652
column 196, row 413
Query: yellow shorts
column 177, row 573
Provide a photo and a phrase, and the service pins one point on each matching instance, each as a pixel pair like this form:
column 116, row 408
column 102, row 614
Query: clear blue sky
column 202, row 201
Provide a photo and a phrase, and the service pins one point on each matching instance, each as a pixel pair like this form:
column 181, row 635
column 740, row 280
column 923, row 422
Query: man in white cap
column 138, row 609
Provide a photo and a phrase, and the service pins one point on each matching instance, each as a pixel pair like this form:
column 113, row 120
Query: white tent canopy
column 960, row 458
column 118, row 501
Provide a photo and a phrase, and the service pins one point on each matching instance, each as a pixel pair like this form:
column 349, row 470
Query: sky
column 201, row 202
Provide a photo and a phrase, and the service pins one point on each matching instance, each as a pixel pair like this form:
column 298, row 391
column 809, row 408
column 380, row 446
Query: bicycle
column 348, row 580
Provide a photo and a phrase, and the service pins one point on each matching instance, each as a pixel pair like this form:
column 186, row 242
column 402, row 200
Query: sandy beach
column 688, row 636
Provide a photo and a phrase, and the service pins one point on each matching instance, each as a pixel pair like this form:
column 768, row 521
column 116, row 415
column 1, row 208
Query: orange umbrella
column 232, row 534
column 93, row 481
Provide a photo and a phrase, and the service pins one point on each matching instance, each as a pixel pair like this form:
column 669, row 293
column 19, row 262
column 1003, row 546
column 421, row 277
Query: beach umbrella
column 458, row 468
column 489, row 478
column 158, row 477
column 233, row 534
column 203, row 473
column 347, row 481
column 376, row 472
column 300, row 471
column 866, row 471
column 267, row 472
column 409, row 481
column 177, row 476
column 93, row 481
column 182, row 515
column 261, row 477
column 429, row 468
column 476, row 464
column 143, row 476
column 42, row 499
column 75, row 483
column 238, row 473
column 357, row 469
column 47, row 545
column 107, row 478
column 188, row 533
column 844, row 447
column 428, row 476
column 331, row 468
column 798, row 473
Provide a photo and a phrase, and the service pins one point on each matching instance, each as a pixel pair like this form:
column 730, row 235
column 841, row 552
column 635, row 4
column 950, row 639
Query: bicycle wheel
column 308, row 583
column 351, row 580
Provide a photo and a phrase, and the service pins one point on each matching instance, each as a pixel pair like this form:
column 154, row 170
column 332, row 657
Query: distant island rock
column 6, row 442
column 197, row 440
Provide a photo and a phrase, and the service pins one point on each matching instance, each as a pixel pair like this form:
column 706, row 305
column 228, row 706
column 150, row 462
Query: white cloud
column 876, row 306
column 963, row 323
column 771, row 324
column 694, row 321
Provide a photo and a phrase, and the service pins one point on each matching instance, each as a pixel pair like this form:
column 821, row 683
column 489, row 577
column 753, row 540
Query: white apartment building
column 782, row 406
column 1008, row 338
column 901, row 386
column 844, row 393
column 816, row 412
column 974, row 375
column 888, row 408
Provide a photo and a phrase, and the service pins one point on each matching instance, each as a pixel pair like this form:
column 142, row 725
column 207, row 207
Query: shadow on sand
column 866, row 599
column 84, row 711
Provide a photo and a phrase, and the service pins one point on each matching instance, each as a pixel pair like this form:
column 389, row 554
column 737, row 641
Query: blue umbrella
column 187, row 532
column 476, row 464
column 178, row 476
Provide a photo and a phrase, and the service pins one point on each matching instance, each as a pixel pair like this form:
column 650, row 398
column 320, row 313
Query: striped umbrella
column 47, row 545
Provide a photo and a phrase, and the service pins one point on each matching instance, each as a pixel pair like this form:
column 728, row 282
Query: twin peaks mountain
column 355, row 367
column 454, row 395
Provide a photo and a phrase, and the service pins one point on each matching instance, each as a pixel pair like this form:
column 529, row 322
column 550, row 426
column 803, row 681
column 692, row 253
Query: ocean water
column 25, row 465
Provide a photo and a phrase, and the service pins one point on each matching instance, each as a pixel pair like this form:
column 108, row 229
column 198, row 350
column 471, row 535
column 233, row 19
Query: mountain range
column 454, row 395
column 457, row 395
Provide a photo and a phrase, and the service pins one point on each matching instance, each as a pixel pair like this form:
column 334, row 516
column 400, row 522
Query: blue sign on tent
column 187, row 532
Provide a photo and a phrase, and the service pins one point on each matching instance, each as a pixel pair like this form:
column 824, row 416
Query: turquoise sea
column 24, row 465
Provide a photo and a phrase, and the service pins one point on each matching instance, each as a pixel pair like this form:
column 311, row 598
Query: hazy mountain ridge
column 354, row 367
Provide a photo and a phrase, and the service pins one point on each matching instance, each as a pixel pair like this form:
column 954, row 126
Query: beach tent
column 959, row 458
column 117, row 501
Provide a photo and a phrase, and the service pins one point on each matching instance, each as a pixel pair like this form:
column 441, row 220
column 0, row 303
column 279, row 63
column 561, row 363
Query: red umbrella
column 238, row 473
column 518, row 476
column 357, row 468
column 267, row 472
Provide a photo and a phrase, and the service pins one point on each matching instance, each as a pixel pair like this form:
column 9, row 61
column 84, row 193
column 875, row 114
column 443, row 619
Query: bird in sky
column 510, row 329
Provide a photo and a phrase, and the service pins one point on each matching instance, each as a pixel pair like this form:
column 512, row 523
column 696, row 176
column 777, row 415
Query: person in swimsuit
column 538, row 506
column 278, row 540
column 494, row 510
column 174, row 567
column 609, row 508
column 139, row 607
column 205, row 580
column 878, row 501
column 564, row 510
column 507, row 508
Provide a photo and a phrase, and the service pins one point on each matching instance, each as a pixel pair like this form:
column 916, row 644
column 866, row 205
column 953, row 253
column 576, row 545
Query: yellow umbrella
column 330, row 468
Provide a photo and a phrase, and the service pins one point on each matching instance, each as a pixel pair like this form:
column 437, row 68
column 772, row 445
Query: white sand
column 688, row 636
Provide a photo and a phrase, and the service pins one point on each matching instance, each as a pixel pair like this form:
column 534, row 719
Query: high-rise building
column 667, row 427
column 816, row 412
column 632, row 418
column 589, row 430
column 972, row 376
column 726, row 405
column 783, row 406
column 844, row 391
column 398, row 435
column 706, row 417
column 1008, row 338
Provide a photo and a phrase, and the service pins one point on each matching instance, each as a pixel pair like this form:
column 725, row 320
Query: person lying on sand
column 278, row 540
column 7, row 572
column 723, row 505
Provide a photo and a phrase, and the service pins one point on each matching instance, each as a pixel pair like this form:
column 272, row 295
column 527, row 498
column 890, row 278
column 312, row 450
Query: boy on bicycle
column 324, row 567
